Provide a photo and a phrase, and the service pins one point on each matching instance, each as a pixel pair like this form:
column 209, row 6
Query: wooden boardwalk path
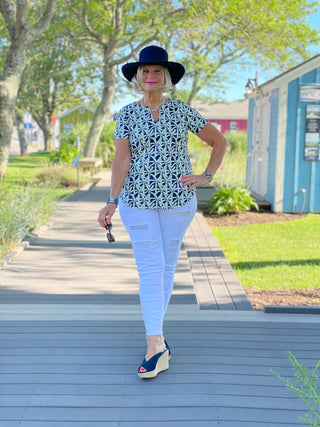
column 72, row 336
column 216, row 285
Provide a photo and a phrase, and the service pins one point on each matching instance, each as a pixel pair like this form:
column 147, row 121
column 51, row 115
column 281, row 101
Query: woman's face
column 152, row 78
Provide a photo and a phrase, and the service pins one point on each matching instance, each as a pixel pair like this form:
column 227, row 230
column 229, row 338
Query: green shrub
column 237, row 141
column 61, row 175
column 105, row 149
column 231, row 200
column 22, row 211
column 232, row 171
column 65, row 154
column 307, row 389
column 80, row 130
column 199, row 153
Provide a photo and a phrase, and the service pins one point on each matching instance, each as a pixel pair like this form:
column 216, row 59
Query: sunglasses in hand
column 110, row 236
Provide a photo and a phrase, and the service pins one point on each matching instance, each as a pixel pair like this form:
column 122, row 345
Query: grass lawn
column 22, row 170
column 281, row 255
column 23, row 207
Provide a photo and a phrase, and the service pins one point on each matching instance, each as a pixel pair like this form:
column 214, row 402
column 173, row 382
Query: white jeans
column 156, row 237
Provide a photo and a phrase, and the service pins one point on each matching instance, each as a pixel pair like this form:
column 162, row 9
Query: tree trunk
column 9, row 86
column 101, row 113
column 6, row 124
column 47, row 130
column 194, row 88
column 15, row 17
column 22, row 135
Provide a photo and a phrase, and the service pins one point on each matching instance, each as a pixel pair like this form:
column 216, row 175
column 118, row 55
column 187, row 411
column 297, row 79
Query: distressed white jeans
column 156, row 237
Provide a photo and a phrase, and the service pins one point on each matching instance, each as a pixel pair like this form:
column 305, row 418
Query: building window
column 233, row 126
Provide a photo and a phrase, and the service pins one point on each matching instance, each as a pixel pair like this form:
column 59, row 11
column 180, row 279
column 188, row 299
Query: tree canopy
column 87, row 42
column 216, row 33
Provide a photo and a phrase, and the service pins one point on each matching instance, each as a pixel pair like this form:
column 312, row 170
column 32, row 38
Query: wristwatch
column 113, row 200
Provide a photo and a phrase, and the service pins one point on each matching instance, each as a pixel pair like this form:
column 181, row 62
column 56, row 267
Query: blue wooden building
column 283, row 151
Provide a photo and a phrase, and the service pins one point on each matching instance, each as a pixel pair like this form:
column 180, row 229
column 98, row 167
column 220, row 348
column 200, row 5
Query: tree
column 21, row 132
column 274, row 34
column 57, row 74
column 120, row 28
column 24, row 23
column 49, row 82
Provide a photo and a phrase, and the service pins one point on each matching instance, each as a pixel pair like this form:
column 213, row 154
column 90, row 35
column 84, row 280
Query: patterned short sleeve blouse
column 159, row 154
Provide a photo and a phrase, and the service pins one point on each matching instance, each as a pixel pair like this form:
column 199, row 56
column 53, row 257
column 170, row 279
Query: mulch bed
column 248, row 217
column 257, row 297
column 260, row 298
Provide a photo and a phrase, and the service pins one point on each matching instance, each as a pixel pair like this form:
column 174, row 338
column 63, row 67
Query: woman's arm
column 120, row 169
column 218, row 142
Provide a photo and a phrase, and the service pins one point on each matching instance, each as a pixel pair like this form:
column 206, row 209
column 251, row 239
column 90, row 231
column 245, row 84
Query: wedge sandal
column 151, row 368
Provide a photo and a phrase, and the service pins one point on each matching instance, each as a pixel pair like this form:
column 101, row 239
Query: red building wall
column 225, row 125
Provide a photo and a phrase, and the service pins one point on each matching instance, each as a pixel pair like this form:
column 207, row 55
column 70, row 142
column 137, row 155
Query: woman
column 153, row 181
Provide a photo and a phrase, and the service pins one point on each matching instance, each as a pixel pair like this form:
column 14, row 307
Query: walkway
column 71, row 336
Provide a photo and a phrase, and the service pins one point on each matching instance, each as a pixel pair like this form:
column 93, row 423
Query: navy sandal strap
column 168, row 348
column 150, row 365
column 158, row 363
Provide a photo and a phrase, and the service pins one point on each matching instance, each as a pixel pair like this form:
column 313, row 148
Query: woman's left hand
column 193, row 181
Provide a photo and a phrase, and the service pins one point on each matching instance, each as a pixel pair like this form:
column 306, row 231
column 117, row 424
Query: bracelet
column 208, row 175
column 113, row 200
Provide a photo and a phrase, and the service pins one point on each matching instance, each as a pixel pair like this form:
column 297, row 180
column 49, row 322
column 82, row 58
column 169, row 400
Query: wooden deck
column 69, row 371
column 72, row 336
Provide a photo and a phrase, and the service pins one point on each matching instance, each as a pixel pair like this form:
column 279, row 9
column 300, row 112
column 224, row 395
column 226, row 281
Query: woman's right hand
column 106, row 213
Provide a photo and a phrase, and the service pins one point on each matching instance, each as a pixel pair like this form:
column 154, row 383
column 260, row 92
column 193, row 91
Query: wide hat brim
column 175, row 69
column 154, row 55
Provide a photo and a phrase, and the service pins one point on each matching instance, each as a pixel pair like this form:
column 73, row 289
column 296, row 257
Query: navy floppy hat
column 154, row 55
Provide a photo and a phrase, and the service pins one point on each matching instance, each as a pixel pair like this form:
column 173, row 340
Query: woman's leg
column 144, row 230
column 174, row 224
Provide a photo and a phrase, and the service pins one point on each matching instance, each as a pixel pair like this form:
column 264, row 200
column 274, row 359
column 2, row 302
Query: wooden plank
column 218, row 322
column 217, row 286
column 231, row 282
column 212, row 256
column 145, row 413
column 131, row 401
column 181, row 366
column 205, row 296
column 112, row 339
column 172, row 377
column 10, row 363
column 245, row 342
column 149, row 423
column 145, row 388
column 262, row 353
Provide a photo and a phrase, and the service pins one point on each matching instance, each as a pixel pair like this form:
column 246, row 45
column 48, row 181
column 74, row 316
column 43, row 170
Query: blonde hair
column 137, row 79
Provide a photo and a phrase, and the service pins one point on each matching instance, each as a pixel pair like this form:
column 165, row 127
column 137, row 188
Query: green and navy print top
column 159, row 154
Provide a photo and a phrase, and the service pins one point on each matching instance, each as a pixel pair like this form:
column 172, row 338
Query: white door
column 260, row 147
